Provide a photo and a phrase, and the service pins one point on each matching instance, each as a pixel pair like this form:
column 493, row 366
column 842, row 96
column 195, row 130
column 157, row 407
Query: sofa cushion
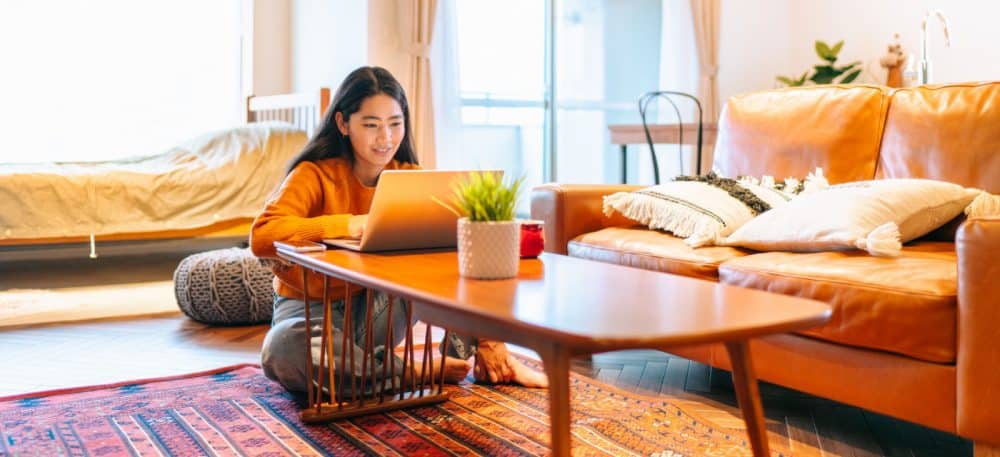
column 904, row 304
column 936, row 132
column 652, row 250
column 792, row 131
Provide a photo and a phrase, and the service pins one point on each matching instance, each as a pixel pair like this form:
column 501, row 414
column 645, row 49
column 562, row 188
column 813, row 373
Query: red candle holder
column 532, row 239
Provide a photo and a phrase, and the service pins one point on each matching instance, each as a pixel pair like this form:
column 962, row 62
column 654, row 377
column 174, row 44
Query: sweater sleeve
column 286, row 215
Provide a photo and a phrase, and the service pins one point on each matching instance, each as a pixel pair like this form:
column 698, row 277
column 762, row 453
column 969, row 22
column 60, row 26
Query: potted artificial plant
column 826, row 72
column 488, row 235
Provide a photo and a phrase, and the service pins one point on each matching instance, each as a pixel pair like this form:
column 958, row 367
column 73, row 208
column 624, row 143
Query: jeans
column 283, row 356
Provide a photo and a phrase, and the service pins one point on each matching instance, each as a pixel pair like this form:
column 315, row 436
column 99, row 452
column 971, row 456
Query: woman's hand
column 356, row 226
column 493, row 362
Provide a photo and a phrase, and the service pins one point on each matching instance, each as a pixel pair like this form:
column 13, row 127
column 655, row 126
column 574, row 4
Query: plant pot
column 488, row 250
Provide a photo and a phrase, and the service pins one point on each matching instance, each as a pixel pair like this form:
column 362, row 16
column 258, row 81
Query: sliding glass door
column 607, row 53
column 539, row 81
column 500, row 74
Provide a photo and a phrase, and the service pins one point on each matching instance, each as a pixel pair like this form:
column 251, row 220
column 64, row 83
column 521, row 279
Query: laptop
column 403, row 215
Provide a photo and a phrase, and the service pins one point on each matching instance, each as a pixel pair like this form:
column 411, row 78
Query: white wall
column 329, row 40
column 754, row 44
column 761, row 39
column 867, row 26
column 272, row 47
column 302, row 45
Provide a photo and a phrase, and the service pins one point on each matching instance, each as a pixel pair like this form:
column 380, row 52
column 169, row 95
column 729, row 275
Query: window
column 607, row 54
column 604, row 54
column 499, row 103
column 106, row 79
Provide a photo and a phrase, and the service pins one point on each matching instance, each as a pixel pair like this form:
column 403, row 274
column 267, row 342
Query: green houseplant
column 826, row 72
column 488, row 235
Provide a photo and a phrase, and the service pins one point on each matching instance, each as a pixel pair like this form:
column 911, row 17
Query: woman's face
column 375, row 130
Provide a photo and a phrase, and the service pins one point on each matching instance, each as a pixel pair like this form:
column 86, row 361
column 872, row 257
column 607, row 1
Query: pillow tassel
column 882, row 241
column 984, row 205
column 699, row 240
column 609, row 202
column 815, row 181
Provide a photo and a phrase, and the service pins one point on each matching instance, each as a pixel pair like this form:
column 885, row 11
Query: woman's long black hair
column 362, row 83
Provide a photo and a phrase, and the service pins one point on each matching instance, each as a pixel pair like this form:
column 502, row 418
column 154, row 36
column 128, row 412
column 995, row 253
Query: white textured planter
column 488, row 250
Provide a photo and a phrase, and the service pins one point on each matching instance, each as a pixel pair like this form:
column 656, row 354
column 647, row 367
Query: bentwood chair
column 667, row 95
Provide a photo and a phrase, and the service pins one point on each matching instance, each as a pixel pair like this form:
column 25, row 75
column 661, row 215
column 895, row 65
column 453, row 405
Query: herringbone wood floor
column 87, row 353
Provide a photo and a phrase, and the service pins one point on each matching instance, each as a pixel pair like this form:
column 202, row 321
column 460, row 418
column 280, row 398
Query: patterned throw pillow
column 700, row 209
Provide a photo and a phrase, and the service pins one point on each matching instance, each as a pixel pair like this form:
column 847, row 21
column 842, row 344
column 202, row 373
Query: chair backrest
column 668, row 95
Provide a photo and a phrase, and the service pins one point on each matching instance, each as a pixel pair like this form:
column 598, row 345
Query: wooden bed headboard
column 303, row 110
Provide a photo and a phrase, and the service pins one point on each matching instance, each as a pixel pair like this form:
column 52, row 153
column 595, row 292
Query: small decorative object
column 488, row 235
column 893, row 62
column 826, row 72
column 532, row 239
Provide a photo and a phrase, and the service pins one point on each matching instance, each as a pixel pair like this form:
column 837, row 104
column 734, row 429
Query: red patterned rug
column 237, row 411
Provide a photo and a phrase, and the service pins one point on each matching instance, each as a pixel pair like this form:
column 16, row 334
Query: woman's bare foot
column 517, row 373
column 455, row 370
column 495, row 365
column 526, row 376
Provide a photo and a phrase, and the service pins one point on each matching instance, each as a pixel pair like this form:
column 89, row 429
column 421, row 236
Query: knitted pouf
column 225, row 287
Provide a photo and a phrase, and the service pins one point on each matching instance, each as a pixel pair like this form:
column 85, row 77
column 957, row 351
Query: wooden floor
column 811, row 426
column 88, row 353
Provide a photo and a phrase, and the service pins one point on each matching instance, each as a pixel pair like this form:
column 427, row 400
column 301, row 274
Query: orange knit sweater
column 314, row 202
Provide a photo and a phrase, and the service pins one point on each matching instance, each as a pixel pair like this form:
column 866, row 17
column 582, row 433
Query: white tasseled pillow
column 875, row 216
column 698, row 211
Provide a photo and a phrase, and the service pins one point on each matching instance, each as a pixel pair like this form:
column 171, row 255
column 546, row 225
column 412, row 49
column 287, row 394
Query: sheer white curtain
column 678, row 53
column 445, row 86
column 705, row 19
column 106, row 79
column 402, row 37
column 678, row 72
column 418, row 20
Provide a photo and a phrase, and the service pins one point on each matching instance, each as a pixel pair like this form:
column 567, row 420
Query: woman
column 327, row 194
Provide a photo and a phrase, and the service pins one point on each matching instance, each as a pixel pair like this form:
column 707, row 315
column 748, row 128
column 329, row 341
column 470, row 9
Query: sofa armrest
column 570, row 210
column 977, row 244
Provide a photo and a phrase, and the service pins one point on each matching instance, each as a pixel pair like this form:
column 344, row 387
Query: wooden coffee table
column 562, row 307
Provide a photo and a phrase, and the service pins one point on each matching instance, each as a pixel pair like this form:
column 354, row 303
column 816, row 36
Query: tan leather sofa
column 916, row 337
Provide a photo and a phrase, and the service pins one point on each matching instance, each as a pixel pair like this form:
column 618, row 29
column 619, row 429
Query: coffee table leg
column 556, row 361
column 748, row 396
